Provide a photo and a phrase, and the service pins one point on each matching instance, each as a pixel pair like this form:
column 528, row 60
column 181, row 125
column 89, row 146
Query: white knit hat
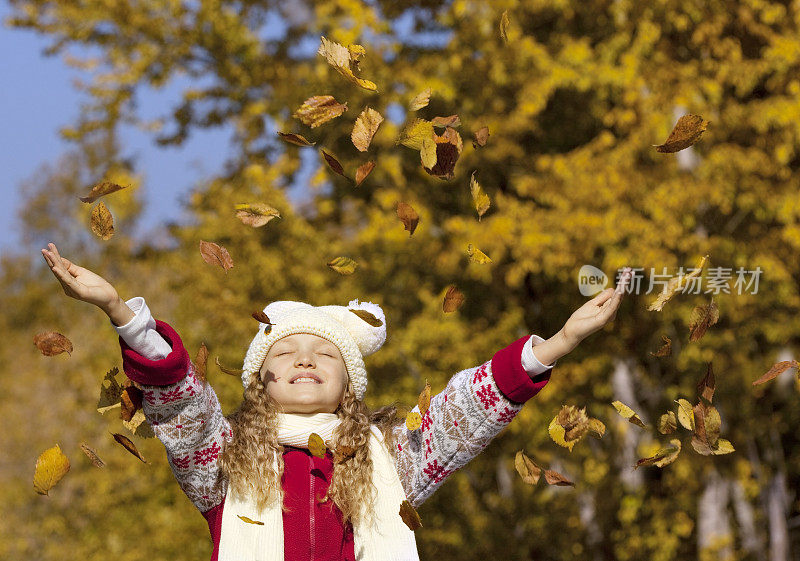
column 348, row 330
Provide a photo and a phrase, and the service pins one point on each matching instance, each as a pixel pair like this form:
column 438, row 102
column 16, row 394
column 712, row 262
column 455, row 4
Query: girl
column 304, row 373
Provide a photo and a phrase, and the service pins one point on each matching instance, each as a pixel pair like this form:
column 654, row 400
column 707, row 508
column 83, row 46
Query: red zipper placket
column 311, row 511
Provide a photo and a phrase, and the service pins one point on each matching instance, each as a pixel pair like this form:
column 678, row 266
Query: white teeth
column 305, row 380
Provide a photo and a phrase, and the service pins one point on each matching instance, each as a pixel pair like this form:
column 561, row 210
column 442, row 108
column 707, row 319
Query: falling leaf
column 427, row 152
column 294, row 138
column 366, row 125
column 420, row 100
column 504, row 26
column 110, row 391
column 480, row 137
column 414, row 133
column 250, row 521
column 597, row 427
column 214, row 254
column 201, row 363
column 342, row 453
column 663, row 457
column 343, row 59
column 333, row 163
column 707, row 425
column 226, row 370
column 256, row 214
column 477, row 256
column 51, row 466
column 723, row 447
column 667, row 423
column 316, row 446
column 261, row 317
column 408, row 216
column 343, row 265
column 479, row 197
column 686, row 132
column 424, row 399
column 555, row 478
column 628, row 413
column 363, row 171
column 674, row 284
column 368, row 317
column 138, row 426
column 450, row 121
column 101, row 189
column 777, row 369
column 126, row 443
column 666, row 348
column 102, row 223
column 448, row 150
column 410, row 516
column 685, row 414
column 527, row 468
column 568, row 426
column 701, row 319
column 413, row 420
column 706, row 386
column 453, row 298
column 96, row 461
column 52, row 343
column 319, row 109
column 131, row 401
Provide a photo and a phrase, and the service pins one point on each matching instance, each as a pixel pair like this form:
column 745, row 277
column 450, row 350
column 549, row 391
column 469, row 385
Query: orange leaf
column 214, row 254
column 453, row 299
column 686, row 132
column 51, row 343
column 319, row 109
column 102, row 223
column 363, row 171
column 408, row 216
column 410, row 516
column 777, row 369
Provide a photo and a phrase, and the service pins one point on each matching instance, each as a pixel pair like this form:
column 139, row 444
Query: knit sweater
column 186, row 416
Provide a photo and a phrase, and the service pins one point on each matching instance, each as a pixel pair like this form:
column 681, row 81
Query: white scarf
column 387, row 538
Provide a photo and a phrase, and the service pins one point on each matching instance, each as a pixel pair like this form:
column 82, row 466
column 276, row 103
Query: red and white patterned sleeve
column 462, row 420
column 185, row 415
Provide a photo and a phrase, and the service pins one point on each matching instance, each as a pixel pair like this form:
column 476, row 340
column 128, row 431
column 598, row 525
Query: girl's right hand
column 80, row 283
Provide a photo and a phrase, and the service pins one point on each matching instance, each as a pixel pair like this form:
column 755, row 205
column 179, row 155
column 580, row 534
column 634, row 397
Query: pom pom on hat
column 357, row 330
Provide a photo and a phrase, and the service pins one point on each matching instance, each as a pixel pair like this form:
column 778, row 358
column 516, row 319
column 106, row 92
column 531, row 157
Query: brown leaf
column 51, row 466
column 676, row 283
column 368, row 317
column 249, row 520
column 504, row 26
column 256, row 214
column 479, row 196
column 316, row 445
column 334, row 164
column 424, row 400
column 527, row 468
column 110, row 391
column 226, row 370
column 101, row 189
column 102, row 223
column 451, row 121
column 706, row 386
column 453, row 299
column 342, row 453
column 131, row 401
column 666, row 348
column 413, row 420
column 408, row 216
column 628, row 413
column 52, row 343
column 686, row 132
column 126, row 443
column 701, row 319
column 363, row 171
column 214, row 254
column 706, row 428
column 294, row 138
column 667, row 423
column 410, row 516
column 319, row 109
column 343, row 265
column 261, row 317
column 555, row 478
column 364, row 129
column 448, row 150
column 201, row 363
column 96, row 461
column 777, row 369
column 480, row 137
column 663, row 457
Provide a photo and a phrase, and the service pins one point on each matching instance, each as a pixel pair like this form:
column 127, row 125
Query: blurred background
column 181, row 100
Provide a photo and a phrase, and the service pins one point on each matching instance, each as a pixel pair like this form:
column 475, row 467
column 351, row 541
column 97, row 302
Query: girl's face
column 305, row 374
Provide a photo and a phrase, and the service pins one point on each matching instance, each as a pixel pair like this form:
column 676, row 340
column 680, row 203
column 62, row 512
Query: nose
column 304, row 360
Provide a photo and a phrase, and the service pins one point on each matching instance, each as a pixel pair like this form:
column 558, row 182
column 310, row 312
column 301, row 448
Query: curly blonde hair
column 249, row 459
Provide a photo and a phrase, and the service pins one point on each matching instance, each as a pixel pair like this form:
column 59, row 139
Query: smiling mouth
column 305, row 379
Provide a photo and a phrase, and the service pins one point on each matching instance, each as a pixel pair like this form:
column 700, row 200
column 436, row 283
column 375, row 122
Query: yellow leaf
column 408, row 216
column 420, row 100
column 723, row 447
column 504, row 22
column 319, row 109
column 294, row 138
column 51, row 466
column 102, row 223
column 316, row 445
column 663, row 457
column 256, row 214
column 101, row 189
column 344, row 60
column 597, row 427
column 685, row 414
column 675, row 283
column 628, row 413
column 364, row 129
column 527, row 468
column 428, row 152
column 249, row 521
column 479, row 197
column 477, row 256
column 343, row 265
column 414, row 133
column 413, row 420
column 424, row 400
column 667, row 423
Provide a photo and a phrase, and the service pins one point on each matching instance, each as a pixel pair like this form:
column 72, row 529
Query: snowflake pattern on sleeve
column 461, row 421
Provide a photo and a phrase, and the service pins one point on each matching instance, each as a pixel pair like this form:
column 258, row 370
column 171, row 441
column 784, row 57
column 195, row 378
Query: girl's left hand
column 595, row 313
